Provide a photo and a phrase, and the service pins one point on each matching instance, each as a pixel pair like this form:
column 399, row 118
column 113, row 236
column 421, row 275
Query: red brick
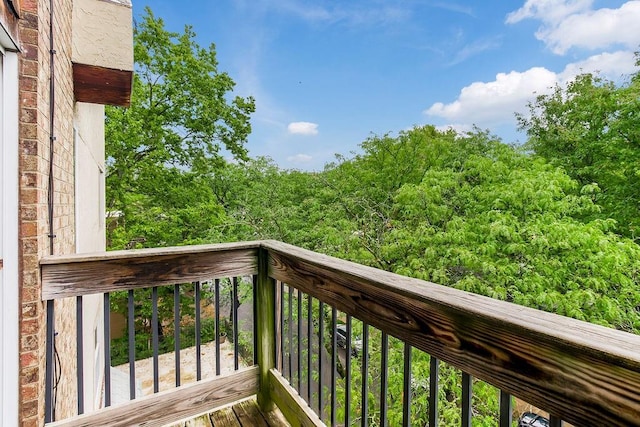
column 29, row 115
column 29, row 180
column 29, row 409
column 28, row 213
column 29, row 375
column 28, row 359
column 29, row 146
column 29, row 343
column 29, row 326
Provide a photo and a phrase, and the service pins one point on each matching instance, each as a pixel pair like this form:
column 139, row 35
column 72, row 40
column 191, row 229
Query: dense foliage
column 550, row 226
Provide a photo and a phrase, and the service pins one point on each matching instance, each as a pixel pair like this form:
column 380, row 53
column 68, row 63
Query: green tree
column 181, row 121
column 591, row 129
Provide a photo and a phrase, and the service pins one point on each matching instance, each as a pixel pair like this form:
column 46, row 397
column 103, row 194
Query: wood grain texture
column 292, row 406
column 265, row 308
column 102, row 85
column 583, row 373
column 225, row 418
column 248, row 414
column 122, row 270
column 172, row 405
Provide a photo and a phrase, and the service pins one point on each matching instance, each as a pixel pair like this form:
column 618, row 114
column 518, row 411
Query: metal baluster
column 299, row 301
column 282, row 341
column 309, row 345
column 347, row 379
column 365, row 375
column 80, row 354
column 235, row 324
column 434, row 373
column 320, row 351
column 131, row 326
column 154, row 338
column 198, row 330
column 107, row 350
column 176, row 330
column 406, row 402
column 467, row 392
column 555, row 421
column 506, row 410
column 290, row 332
column 384, row 380
column 334, row 364
column 217, row 323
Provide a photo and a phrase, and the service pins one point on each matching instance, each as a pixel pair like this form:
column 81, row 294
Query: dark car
column 529, row 419
column 341, row 339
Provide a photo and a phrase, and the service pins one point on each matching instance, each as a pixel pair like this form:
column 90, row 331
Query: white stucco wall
column 102, row 33
column 90, row 234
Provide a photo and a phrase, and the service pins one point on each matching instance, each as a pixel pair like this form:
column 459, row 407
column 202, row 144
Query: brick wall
column 34, row 223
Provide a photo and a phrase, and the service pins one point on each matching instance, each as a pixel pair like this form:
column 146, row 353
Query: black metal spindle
column 176, row 331
column 320, row 351
column 555, row 421
column 198, row 325
column 384, row 379
column 154, row 338
column 299, row 307
column 290, row 332
column 80, row 354
column 506, row 409
column 131, row 326
column 235, row 304
column 406, row 389
column 309, row 345
column 255, row 320
column 106, row 310
column 282, row 333
column 334, row 364
column 467, row 392
column 217, row 323
column 347, row 378
column 434, row 374
column 48, row 389
column 365, row 375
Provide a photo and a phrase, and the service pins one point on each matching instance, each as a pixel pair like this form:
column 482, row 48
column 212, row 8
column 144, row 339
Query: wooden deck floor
column 241, row 414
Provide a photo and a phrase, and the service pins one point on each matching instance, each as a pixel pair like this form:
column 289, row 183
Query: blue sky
column 326, row 74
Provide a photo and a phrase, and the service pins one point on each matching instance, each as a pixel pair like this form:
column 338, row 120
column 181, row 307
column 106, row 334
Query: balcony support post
column 266, row 329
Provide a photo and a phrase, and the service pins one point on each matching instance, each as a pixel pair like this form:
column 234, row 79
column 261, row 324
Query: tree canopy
column 159, row 151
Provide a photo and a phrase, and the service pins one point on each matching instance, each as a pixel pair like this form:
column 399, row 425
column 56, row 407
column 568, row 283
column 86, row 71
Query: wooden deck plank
column 248, row 414
column 225, row 417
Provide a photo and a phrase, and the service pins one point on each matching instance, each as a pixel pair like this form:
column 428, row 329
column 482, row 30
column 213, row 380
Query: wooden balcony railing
column 329, row 338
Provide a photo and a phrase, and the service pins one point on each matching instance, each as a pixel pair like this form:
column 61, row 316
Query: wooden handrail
column 584, row 373
column 84, row 274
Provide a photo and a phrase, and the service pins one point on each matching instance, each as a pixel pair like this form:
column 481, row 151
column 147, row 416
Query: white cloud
column 490, row 103
column 573, row 23
column 549, row 11
column 303, row 128
column 494, row 103
column 609, row 65
column 300, row 158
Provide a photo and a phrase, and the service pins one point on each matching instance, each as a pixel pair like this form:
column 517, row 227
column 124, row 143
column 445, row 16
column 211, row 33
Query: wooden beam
column 292, row 406
column 266, row 335
column 74, row 275
column 101, row 85
column 584, row 373
column 173, row 405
